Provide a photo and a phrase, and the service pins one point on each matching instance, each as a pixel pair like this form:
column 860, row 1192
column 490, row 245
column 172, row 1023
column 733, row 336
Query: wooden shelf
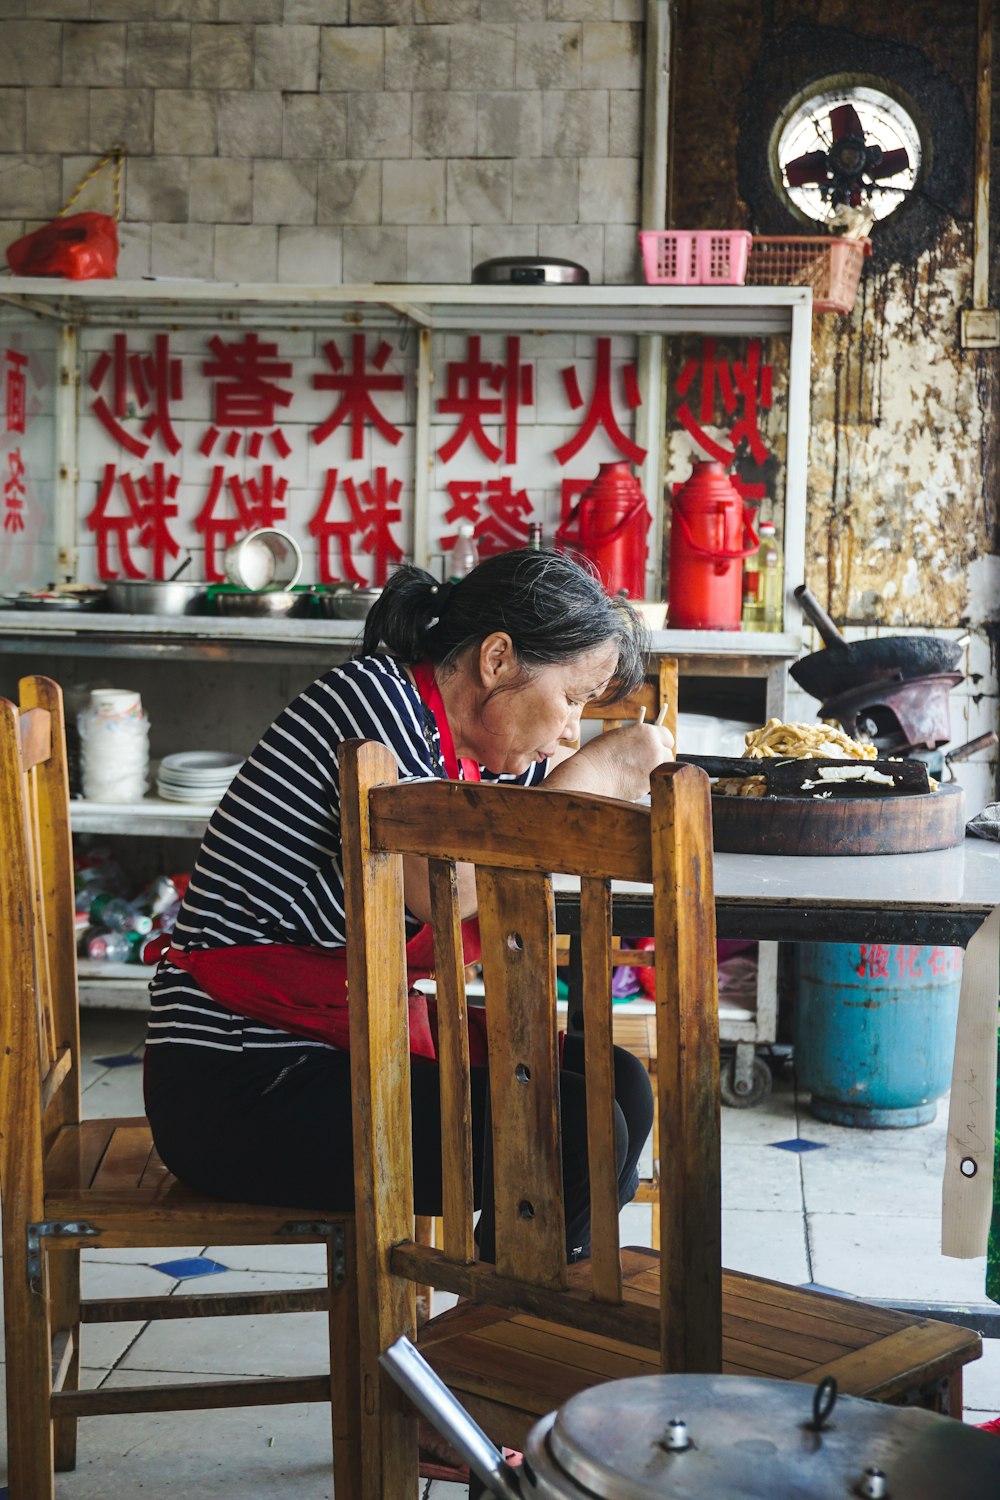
column 537, row 308
column 108, row 633
column 150, row 817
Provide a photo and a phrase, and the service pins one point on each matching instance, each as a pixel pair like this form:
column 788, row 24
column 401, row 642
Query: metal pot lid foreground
column 752, row 1440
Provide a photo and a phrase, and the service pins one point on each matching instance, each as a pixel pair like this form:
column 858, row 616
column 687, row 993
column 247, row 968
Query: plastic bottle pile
column 114, row 928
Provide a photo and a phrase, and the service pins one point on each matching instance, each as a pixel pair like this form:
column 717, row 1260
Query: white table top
column 938, row 897
column 967, row 877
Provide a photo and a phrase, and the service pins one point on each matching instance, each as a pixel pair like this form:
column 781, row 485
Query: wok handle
column 817, row 615
column 983, row 742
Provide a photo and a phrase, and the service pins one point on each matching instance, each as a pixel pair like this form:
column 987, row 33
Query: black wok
column 848, row 664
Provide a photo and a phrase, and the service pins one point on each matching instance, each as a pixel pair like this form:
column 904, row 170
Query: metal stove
column 897, row 716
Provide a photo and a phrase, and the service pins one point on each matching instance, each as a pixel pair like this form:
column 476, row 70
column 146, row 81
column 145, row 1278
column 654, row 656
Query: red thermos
column 609, row 525
column 710, row 534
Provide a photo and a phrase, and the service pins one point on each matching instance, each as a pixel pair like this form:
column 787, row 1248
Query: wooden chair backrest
column 39, row 1022
column 516, row 838
column 659, row 688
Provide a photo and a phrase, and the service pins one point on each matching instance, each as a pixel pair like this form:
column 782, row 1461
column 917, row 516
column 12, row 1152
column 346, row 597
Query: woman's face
column 531, row 714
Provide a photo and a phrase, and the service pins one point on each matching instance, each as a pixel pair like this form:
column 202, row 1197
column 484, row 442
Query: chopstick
column 660, row 717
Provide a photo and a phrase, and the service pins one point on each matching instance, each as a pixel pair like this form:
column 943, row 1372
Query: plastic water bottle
column 464, row 554
column 119, row 915
column 109, row 947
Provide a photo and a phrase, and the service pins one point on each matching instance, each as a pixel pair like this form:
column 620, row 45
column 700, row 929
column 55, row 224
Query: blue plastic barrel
column 875, row 1030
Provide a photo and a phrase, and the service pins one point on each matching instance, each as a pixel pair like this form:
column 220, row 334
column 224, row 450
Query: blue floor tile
column 195, row 1265
column 798, row 1144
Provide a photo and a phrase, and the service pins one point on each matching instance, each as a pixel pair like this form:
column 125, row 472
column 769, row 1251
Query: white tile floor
column 861, row 1216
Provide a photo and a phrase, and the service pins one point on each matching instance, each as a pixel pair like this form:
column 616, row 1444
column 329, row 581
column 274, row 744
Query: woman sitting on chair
column 247, row 1070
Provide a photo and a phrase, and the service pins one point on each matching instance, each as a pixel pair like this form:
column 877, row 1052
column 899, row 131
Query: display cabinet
column 73, row 341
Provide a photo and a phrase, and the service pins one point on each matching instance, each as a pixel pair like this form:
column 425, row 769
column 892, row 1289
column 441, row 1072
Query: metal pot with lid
column 531, row 269
column 716, row 1437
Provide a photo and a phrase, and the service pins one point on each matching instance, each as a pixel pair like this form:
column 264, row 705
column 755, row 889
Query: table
column 939, row 898
column 949, row 897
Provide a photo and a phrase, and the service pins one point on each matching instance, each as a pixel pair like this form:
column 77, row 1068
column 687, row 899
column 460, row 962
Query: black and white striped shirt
column 269, row 868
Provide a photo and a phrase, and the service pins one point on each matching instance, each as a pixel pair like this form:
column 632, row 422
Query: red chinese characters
column 487, row 397
column 136, row 509
column 499, row 512
column 600, row 413
column 906, row 962
column 234, row 506
column 14, row 492
column 15, row 388
column 246, row 395
column 144, row 506
column 140, row 514
column 373, row 509
column 15, row 410
column 249, row 384
column 137, row 383
column 873, row 961
column 745, row 389
column 354, row 514
column 357, row 385
column 478, row 391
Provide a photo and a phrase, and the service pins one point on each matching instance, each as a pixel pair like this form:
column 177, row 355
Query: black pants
column 271, row 1126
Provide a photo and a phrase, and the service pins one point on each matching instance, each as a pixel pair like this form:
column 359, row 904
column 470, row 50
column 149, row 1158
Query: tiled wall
column 331, row 140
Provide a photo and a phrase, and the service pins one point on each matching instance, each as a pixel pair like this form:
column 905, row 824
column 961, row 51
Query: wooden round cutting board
column 839, row 825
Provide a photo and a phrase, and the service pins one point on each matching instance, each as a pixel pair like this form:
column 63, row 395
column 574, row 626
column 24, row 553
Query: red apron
column 303, row 990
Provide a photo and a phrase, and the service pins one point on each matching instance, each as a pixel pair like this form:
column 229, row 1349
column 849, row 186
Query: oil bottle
column 770, row 580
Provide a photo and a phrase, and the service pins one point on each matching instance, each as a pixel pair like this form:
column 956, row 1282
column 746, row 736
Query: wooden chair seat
column 101, row 1167
column 510, row 1369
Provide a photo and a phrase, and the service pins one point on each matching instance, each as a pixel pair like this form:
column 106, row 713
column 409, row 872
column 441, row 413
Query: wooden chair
column 68, row 1183
column 659, row 688
column 536, row 1330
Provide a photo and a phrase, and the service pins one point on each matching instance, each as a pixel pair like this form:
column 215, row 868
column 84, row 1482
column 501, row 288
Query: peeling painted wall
column 897, row 510
column 901, row 494
column 903, row 521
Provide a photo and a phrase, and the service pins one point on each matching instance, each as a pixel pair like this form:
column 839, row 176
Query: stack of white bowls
column 196, row 775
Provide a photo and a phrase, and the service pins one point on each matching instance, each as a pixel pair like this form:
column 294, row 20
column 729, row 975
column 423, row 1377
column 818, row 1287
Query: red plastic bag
column 79, row 247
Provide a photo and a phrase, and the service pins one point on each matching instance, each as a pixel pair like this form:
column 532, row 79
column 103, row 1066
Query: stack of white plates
column 196, row 775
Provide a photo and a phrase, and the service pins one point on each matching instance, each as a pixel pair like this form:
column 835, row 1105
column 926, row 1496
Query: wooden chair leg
column 423, row 1234
column 654, row 1240
column 30, row 1472
column 64, row 1302
column 345, row 1374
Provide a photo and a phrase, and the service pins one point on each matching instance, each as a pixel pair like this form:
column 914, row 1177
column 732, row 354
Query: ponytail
column 403, row 613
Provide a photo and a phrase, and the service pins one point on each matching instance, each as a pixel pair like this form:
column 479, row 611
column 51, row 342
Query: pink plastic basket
column 695, row 257
column 832, row 267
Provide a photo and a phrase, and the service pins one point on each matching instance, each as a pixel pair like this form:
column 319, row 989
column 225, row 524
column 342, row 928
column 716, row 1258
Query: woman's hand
column 617, row 764
column 417, row 893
